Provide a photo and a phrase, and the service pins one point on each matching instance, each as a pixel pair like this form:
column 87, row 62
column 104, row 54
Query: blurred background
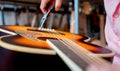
column 91, row 17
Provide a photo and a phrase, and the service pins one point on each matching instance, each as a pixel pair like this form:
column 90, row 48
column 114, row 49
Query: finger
column 51, row 4
column 43, row 5
column 58, row 5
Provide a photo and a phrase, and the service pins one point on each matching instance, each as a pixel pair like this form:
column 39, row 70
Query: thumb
column 58, row 5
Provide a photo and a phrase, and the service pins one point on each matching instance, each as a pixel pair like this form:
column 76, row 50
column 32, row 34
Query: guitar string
column 62, row 41
column 88, row 58
column 95, row 58
column 66, row 40
column 78, row 50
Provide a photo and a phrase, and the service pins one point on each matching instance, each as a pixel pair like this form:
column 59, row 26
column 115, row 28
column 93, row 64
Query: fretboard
column 80, row 61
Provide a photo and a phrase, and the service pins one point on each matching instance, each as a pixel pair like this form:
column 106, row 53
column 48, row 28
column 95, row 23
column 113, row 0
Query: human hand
column 50, row 3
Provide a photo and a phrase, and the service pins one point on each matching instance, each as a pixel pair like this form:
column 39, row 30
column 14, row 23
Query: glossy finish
column 79, row 39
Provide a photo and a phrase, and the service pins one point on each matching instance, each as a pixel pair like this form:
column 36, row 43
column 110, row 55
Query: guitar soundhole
column 45, row 38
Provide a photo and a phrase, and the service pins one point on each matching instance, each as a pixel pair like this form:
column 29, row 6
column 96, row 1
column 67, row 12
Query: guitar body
column 16, row 42
column 23, row 53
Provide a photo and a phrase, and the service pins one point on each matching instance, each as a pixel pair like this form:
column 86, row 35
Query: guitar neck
column 78, row 59
column 69, row 57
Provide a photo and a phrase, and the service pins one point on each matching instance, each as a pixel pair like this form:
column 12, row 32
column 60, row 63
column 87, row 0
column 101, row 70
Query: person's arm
column 112, row 31
column 44, row 4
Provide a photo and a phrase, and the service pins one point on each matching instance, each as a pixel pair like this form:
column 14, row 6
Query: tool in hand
column 45, row 16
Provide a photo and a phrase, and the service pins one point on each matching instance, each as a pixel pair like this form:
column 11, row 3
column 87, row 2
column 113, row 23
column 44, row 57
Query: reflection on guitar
column 34, row 42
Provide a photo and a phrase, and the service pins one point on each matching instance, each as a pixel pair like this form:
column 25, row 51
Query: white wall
column 1, row 22
column 9, row 18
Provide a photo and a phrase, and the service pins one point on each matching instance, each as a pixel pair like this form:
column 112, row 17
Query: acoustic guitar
column 75, row 52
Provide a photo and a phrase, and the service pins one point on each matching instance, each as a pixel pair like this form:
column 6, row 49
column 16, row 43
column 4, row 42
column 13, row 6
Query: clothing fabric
column 112, row 28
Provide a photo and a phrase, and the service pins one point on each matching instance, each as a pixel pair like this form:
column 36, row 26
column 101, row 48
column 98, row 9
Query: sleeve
column 110, row 6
